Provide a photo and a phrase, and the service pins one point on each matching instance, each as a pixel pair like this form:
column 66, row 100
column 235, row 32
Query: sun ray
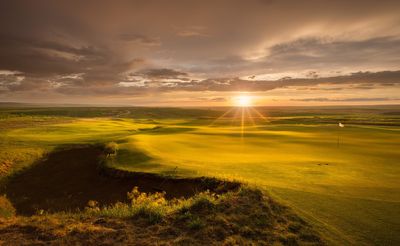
column 242, row 125
column 222, row 116
column 236, row 116
column 260, row 115
column 250, row 116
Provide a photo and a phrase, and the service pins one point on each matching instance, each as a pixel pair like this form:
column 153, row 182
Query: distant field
column 344, row 180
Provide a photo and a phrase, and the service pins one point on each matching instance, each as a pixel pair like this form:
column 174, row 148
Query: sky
column 200, row 53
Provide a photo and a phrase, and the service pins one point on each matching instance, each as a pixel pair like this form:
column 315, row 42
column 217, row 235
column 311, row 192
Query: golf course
column 343, row 180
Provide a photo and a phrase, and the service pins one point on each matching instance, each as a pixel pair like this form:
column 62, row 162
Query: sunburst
column 243, row 112
column 243, row 101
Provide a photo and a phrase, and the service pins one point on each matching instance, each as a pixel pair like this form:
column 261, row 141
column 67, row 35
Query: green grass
column 353, row 189
column 25, row 141
column 351, row 192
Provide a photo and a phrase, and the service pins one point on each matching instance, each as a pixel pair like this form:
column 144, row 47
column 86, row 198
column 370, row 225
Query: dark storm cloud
column 91, row 47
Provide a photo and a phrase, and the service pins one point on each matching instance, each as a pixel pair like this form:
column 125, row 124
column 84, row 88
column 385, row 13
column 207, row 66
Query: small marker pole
column 338, row 135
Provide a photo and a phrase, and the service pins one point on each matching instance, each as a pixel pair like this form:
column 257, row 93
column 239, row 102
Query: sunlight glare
column 243, row 101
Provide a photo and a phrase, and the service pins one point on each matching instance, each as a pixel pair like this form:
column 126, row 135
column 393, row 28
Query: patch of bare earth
column 68, row 179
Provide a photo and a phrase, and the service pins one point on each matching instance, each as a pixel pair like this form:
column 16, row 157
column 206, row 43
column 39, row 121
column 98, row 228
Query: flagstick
column 338, row 134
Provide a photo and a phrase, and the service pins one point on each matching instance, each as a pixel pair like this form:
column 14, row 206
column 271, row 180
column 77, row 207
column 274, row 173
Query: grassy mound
column 242, row 217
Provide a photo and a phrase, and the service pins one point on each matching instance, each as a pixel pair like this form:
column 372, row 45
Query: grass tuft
column 6, row 208
column 152, row 207
column 204, row 201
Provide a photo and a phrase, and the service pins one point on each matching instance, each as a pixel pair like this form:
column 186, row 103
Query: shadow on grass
column 68, row 179
column 165, row 130
column 135, row 158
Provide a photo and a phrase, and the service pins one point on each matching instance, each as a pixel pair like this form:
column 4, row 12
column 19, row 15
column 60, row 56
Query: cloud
column 44, row 58
column 213, row 99
column 133, row 37
column 237, row 84
column 122, row 47
column 9, row 79
column 318, row 53
column 168, row 80
column 358, row 99
column 161, row 73
column 193, row 31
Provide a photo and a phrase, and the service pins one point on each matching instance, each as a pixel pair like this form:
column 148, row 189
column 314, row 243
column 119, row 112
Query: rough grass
column 152, row 207
column 6, row 208
column 243, row 217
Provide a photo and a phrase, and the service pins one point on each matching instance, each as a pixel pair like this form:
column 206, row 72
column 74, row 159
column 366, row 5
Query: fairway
column 333, row 184
column 342, row 180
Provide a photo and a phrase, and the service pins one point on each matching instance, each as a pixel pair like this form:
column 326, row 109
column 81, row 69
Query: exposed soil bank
column 67, row 179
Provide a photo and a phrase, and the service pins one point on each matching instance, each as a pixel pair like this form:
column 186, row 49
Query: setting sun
column 253, row 122
column 243, row 101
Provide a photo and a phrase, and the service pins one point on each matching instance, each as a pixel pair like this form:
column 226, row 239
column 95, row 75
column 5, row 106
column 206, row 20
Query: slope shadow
column 67, row 179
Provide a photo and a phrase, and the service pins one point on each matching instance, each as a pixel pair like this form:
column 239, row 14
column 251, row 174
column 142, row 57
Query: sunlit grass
column 289, row 158
column 22, row 146
column 352, row 190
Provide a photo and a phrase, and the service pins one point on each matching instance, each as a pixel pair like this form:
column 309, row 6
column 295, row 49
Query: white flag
column 340, row 124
